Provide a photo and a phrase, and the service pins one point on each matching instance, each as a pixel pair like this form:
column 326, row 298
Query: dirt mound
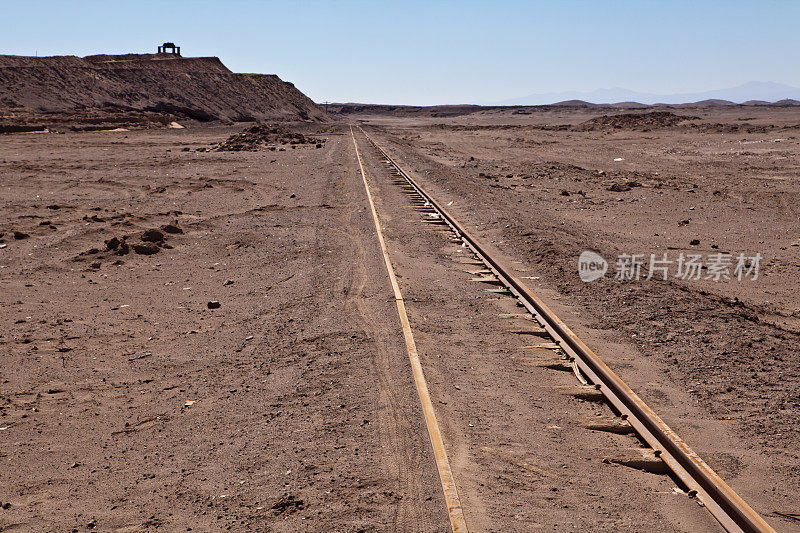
column 634, row 121
column 262, row 136
column 49, row 89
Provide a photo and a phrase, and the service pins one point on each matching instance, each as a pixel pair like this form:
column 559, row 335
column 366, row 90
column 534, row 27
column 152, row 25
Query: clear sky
column 435, row 52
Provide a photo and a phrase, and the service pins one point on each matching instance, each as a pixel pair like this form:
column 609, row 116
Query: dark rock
column 287, row 504
column 214, row 305
column 113, row 243
column 19, row 235
column 171, row 228
column 619, row 187
column 146, row 249
column 695, row 242
column 123, row 248
column 152, row 235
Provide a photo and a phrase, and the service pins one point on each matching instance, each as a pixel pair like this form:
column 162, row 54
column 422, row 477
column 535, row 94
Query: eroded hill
column 140, row 90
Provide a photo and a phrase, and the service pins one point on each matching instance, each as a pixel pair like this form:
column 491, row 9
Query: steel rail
column 730, row 510
column 458, row 523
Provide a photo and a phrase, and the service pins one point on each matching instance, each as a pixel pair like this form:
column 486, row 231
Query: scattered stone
column 288, row 504
column 19, row 235
column 228, row 282
column 171, row 228
column 564, row 193
column 619, row 187
column 214, row 304
column 113, row 243
column 146, row 249
column 293, row 195
column 259, row 136
column 95, row 265
column 152, row 235
column 695, row 242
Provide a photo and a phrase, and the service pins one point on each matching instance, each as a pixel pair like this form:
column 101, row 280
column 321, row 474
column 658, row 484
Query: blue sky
column 435, row 52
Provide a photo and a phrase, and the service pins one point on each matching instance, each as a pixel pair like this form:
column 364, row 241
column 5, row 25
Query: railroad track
column 727, row 507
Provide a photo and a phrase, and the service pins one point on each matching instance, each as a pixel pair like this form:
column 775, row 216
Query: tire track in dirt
column 395, row 428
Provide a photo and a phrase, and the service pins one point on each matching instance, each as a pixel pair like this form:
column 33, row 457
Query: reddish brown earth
column 129, row 403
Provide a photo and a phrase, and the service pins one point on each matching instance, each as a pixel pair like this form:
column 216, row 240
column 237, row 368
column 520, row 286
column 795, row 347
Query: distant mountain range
column 754, row 90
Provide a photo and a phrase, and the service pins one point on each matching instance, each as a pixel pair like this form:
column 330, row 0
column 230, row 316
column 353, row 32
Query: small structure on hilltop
column 174, row 50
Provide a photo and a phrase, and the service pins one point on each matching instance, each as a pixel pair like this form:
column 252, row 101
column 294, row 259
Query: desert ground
column 198, row 339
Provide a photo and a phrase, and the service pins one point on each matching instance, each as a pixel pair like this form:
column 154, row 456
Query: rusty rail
column 730, row 510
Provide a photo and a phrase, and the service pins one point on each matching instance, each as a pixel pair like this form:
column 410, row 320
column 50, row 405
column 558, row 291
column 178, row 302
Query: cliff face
column 197, row 88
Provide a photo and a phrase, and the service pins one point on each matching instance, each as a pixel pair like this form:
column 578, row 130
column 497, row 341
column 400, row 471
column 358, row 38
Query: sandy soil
column 542, row 196
column 128, row 403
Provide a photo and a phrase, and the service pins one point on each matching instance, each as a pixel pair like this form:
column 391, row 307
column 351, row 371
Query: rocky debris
column 152, row 241
column 287, row 504
column 152, row 235
column 619, row 187
column 171, row 228
column 119, row 246
column 146, row 249
column 634, row 121
column 261, row 135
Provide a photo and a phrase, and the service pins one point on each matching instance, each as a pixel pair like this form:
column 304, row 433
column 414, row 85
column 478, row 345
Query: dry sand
column 128, row 402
